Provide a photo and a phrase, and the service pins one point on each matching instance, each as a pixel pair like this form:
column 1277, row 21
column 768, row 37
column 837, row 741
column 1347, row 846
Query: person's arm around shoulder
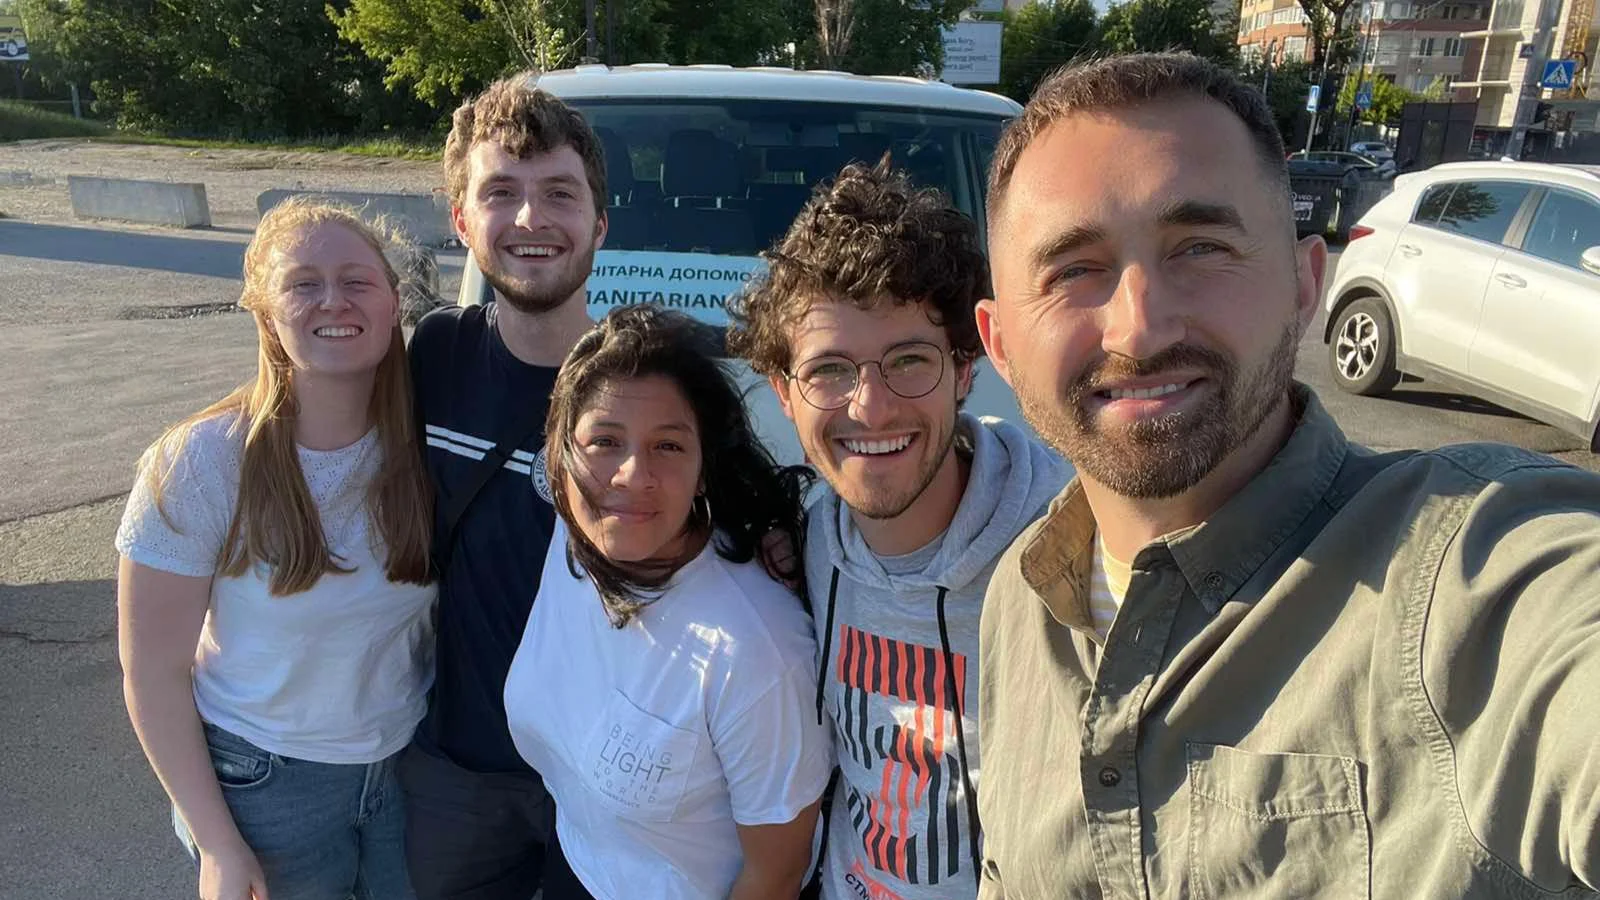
column 168, row 553
column 1511, row 665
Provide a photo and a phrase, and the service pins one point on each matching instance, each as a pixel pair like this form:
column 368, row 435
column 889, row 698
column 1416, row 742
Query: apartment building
column 1273, row 28
column 1416, row 44
column 1509, row 52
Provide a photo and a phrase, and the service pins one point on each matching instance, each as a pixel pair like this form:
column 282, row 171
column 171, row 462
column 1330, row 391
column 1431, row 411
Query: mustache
column 1116, row 368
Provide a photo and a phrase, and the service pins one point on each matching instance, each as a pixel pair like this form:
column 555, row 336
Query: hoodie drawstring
column 961, row 731
column 827, row 641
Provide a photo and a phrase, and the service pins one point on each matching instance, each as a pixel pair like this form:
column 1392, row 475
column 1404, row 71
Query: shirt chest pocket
column 1275, row 825
column 636, row 764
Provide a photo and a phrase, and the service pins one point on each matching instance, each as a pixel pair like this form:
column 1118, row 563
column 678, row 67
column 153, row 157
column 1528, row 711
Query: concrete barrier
column 151, row 202
column 424, row 217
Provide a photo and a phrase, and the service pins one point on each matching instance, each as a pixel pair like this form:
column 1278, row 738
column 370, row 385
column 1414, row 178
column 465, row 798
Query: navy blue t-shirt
column 471, row 392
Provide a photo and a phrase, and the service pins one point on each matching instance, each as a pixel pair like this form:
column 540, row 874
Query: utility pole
column 1361, row 73
column 611, row 32
column 592, row 46
column 1544, row 35
column 1266, row 70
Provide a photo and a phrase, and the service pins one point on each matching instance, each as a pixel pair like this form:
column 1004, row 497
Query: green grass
column 19, row 121
column 392, row 147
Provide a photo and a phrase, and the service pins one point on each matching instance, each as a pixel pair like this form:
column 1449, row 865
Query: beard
column 1166, row 455
column 880, row 501
column 541, row 296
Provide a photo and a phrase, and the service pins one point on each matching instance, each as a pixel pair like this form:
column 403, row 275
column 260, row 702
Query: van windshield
column 727, row 177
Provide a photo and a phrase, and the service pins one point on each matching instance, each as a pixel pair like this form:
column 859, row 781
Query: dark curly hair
column 750, row 496
column 866, row 238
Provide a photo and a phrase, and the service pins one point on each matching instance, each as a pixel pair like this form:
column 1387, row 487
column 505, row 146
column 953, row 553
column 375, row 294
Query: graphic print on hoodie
column 899, row 637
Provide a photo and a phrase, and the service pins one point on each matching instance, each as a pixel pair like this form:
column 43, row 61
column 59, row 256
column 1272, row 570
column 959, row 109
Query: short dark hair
column 748, row 495
column 1120, row 82
column 868, row 237
column 523, row 120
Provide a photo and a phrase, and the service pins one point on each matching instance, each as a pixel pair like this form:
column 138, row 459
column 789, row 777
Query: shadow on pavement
column 186, row 256
column 59, row 612
column 1453, row 403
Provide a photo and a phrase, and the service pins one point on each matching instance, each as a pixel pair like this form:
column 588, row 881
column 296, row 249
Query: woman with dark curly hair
column 663, row 685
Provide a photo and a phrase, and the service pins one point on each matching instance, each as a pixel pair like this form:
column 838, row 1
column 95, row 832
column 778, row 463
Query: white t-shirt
column 657, row 738
column 335, row 674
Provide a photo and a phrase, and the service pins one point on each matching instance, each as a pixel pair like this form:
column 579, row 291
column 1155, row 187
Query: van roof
column 769, row 83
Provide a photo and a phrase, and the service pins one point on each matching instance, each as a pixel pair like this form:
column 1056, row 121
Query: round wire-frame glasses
column 910, row 370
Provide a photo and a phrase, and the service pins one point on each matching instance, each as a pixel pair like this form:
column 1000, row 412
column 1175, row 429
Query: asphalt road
column 90, row 372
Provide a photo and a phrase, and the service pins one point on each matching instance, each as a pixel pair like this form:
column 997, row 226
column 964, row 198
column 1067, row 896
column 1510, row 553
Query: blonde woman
column 273, row 593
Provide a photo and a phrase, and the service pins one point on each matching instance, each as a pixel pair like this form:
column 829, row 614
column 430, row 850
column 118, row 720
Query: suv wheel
column 1362, row 349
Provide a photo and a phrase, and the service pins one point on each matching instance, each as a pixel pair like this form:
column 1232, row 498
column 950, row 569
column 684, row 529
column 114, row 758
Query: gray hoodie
column 897, row 635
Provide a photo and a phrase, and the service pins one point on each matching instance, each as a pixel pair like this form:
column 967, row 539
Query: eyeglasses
column 910, row 370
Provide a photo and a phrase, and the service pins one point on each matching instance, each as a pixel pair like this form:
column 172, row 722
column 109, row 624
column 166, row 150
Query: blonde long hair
column 276, row 521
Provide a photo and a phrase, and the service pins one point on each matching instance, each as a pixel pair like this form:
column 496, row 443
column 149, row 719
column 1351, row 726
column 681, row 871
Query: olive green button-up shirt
column 1365, row 676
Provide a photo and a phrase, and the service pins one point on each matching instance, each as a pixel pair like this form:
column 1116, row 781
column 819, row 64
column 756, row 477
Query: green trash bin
column 1315, row 186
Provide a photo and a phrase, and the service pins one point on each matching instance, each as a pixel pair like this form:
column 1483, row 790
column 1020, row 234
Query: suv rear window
column 1432, row 205
column 727, row 177
column 1483, row 210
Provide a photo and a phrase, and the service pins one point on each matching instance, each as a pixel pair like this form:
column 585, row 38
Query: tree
column 1156, row 25
column 1287, row 84
column 836, row 26
column 231, row 67
column 45, row 75
column 898, row 37
column 441, row 49
column 1041, row 37
column 535, row 32
column 1388, row 100
column 1330, row 33
column 744, row 33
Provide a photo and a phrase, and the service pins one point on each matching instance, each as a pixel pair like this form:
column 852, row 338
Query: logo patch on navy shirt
column 541, row 477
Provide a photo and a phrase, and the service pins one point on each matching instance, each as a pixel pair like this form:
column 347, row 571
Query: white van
column 708, row 165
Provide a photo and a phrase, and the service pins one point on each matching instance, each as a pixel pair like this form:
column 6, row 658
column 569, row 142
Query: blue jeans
column 320, row 831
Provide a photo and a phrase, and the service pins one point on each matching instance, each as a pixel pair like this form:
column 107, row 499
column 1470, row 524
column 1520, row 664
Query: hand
column 231, row 874
column 778, row 558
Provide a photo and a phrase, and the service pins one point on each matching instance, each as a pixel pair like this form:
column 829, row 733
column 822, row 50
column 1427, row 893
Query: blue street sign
column 1364, row 96
column 1558, row 74
column 1312, row 97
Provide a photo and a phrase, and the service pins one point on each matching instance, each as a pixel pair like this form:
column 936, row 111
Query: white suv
column 708, row 165
column 1483, row 276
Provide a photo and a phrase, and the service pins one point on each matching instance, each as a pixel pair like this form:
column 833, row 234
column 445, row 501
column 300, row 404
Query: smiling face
column 636, row 469
column 1149, row 295
column 330, row 302
column 531, row 224
column 879, row 451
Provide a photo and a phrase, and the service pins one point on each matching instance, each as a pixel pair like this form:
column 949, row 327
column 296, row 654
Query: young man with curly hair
column 864, row 327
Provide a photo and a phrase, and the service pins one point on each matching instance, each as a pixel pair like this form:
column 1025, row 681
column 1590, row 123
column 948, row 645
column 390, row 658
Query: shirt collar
column 1217, row 556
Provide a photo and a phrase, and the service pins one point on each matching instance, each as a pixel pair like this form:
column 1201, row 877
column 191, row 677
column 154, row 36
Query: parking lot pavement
column 80, row 814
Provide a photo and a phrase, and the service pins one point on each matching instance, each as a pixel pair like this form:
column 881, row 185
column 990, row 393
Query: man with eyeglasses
column 864, row 325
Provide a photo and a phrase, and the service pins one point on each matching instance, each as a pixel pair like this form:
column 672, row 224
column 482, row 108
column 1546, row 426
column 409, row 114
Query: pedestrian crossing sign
column 1558, row 74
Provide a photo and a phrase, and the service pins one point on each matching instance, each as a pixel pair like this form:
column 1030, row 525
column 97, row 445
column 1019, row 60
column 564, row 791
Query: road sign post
column 1313, row 97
